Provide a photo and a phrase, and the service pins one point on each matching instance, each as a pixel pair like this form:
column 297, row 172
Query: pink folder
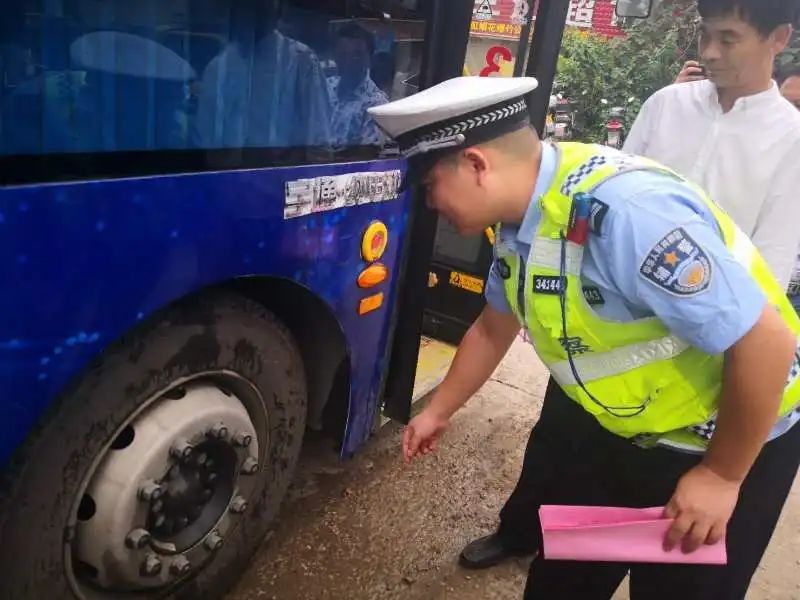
column 609, row 534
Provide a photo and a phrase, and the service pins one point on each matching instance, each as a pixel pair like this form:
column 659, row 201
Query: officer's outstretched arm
column 481, row 350
column 752, row 387
column 483, row 347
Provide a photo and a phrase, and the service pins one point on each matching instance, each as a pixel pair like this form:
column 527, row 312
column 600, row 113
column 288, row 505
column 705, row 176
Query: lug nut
column 242, row 438
column 151, row 566
column 218, row 432
column 137, row 539
column 180, row 566
column 249, row 466
column 157, row 506
column 181, row 523
column 150, row 490
column 238, row 505
column 212, row 477
column 181, row 450
column 206, row 495
column 214, row 541
column 160, row 521
column 201, row 459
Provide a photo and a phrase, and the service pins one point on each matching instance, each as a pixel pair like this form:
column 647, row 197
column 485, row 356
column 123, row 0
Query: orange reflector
column 373, row 275
column 370, row 303
column 374, row 242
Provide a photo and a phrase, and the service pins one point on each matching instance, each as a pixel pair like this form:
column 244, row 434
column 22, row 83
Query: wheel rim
column 168, row 488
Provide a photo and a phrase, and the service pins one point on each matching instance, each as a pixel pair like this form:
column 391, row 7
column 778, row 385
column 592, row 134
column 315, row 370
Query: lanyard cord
column 562, row 295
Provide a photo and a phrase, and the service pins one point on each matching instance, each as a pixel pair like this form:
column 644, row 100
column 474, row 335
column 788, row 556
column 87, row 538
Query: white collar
column 745, row 103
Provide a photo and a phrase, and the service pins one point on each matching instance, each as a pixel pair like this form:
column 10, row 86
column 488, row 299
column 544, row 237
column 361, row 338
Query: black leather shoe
column 486, row 552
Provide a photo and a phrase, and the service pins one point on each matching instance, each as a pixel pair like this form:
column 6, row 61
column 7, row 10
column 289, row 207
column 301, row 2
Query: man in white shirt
column 732, row 132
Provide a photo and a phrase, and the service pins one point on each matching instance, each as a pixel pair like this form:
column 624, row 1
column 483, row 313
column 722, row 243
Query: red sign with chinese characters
column 502, row 19
column 597, row 16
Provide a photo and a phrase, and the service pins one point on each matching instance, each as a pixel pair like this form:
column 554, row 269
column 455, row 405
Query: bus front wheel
column 160, row 471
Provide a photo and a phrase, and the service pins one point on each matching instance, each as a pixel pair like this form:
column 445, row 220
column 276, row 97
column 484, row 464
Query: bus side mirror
column 636, row 9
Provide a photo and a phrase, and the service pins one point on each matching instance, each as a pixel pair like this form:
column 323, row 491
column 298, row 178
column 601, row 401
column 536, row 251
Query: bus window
column 81, row 76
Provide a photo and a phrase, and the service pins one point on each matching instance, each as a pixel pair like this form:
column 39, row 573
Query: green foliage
column 790, row 59
column 592, row 68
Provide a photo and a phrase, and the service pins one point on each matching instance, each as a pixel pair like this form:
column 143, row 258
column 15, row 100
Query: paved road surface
column 371, row 529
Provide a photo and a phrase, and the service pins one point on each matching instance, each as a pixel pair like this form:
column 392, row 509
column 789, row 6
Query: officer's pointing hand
column 701, row 505
column 421, row 435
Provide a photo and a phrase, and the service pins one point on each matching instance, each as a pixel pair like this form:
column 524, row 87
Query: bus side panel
column 84, row 262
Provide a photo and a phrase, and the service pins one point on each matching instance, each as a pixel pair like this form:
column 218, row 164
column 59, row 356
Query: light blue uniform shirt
column 644, row 207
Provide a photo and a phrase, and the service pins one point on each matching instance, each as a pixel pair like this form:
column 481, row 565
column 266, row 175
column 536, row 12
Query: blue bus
column 204, row 255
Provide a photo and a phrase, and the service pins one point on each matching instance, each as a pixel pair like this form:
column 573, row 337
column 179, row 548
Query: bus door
column 500, row 36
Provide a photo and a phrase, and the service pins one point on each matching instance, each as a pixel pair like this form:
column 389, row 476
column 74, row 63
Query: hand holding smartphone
column 691, row 71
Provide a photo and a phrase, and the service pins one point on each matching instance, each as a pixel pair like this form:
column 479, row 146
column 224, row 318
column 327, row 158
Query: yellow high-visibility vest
column 650, row 384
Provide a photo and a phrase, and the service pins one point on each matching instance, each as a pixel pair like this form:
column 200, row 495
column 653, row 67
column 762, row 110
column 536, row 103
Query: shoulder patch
column 597, row 214
column 678, row 265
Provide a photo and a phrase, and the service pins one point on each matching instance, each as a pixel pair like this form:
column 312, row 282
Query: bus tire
column 47, row 481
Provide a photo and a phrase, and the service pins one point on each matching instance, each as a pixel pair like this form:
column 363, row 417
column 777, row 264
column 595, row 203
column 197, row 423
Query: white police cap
column 459, row 112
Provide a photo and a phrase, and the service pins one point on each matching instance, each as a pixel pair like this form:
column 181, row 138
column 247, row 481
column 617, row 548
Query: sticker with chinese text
column 678, row 265
column 320, row 194
column 466, row 282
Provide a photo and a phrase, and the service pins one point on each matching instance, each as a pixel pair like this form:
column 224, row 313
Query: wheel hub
column 192, row 490
column 172, row 484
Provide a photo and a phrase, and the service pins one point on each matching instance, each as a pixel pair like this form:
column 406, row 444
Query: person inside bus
column 264, row 89
column 677, row 387
column 728, row 128
column 352, row 89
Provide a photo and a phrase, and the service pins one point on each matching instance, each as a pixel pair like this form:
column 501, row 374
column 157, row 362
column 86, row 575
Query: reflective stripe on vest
column 592, row 367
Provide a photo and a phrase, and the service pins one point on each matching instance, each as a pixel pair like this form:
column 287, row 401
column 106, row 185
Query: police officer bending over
column 655, row 315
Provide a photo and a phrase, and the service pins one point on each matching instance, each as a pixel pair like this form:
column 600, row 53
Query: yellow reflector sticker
column 466, row 282
column 370, row 303
column 373, row 275
column 374, row 242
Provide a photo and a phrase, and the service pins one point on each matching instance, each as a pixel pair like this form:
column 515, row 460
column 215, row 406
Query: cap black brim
column 421, row 164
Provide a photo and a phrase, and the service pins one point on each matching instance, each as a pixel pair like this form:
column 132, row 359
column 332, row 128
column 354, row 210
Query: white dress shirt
column 748, row 159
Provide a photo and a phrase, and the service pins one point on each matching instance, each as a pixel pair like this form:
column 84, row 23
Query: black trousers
column 570, row 459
